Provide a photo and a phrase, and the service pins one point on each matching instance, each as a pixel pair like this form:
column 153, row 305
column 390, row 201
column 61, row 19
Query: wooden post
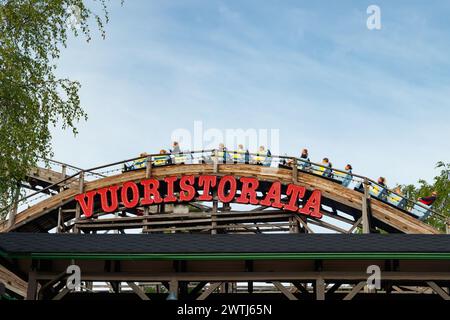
column 148, row 168
column 447, row 226
column 294, row 170
column 366, row 207
column 207, row 292
column 320, row 289
column 173, row 288
column 78, row 209
column 213, row 213
column 32, row 286
column 215, row 164
column 60, row 219
column 63, row 176
column 284, row 290
column 148, row 174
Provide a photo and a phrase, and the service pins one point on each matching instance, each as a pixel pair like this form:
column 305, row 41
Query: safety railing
column 347, row 179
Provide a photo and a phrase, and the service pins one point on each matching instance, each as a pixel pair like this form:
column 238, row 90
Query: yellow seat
column 238, row 156
column 139, row 163
column 319, row 170
column 394, row 198
column 259, row 158
column 160, row 160
column 375, row 190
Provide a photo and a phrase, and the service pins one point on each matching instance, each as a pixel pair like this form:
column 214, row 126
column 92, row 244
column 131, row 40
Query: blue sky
column 378, row 99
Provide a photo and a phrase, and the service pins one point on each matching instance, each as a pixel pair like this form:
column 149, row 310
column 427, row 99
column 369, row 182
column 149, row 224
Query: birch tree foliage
column 32, row 98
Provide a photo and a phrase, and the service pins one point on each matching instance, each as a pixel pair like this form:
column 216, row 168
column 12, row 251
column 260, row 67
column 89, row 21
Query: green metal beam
column 238, row 256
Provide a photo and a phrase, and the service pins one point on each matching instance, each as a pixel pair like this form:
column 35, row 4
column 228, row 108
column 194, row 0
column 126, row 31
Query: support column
column 60, row 221
column 212, row 286
column 320, row 289
column 78, row 208
column 148, row 174
column 284, row 290
column 63, row 176
column 213, row 213
column 294, row 170
column 173, row 290
column 32, row 286
column 366, row 207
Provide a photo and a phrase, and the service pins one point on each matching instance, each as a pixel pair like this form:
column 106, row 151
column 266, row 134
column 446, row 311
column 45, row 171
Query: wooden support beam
column 327, row 225
column 198, row 288
column 366, row 207
column 300, row 287
column 136, row 289
column 441, row 292
column 283, row 290
column 63, row 176
column 148, row 174
column 78, row 208
column 320, row 289
column 334, row 287
column 355, row 290
column 13, row 282
column 253, row 276
column 51, row 283
column 294, row 170
column 61, row 294
column 148, row 167
column 355, row 225
column 173, row 287
column 304, row 224
column 214, row 212
column 215, row 164
column 207, row 292
column 32, row 286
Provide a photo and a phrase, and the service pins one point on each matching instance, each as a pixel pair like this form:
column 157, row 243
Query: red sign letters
column 242, row 190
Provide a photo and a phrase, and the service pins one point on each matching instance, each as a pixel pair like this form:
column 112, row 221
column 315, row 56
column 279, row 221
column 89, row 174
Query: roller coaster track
column 345, row 209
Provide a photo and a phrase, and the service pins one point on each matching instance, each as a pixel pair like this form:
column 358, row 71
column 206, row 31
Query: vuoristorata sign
column 243, row 190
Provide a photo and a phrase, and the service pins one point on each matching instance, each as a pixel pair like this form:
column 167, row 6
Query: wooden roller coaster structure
column 345, row 209
column 67, row 199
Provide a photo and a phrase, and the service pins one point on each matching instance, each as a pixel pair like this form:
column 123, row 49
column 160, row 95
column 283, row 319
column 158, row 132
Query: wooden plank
column 355, row 290
column 283, row 290
column 304, row 224
column 136, row 289
column 320, row 289
column 355, row 225
column 207, row 292
column 444, row 295
column 32, row 286
column 254, row 276
column 366, row 208
column 61, row 294
column 13, row 282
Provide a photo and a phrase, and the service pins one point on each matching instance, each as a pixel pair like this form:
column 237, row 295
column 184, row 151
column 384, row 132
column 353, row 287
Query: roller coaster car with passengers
column 379, row 192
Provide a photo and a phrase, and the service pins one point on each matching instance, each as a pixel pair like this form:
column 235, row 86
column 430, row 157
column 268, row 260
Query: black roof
column 32, row 243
